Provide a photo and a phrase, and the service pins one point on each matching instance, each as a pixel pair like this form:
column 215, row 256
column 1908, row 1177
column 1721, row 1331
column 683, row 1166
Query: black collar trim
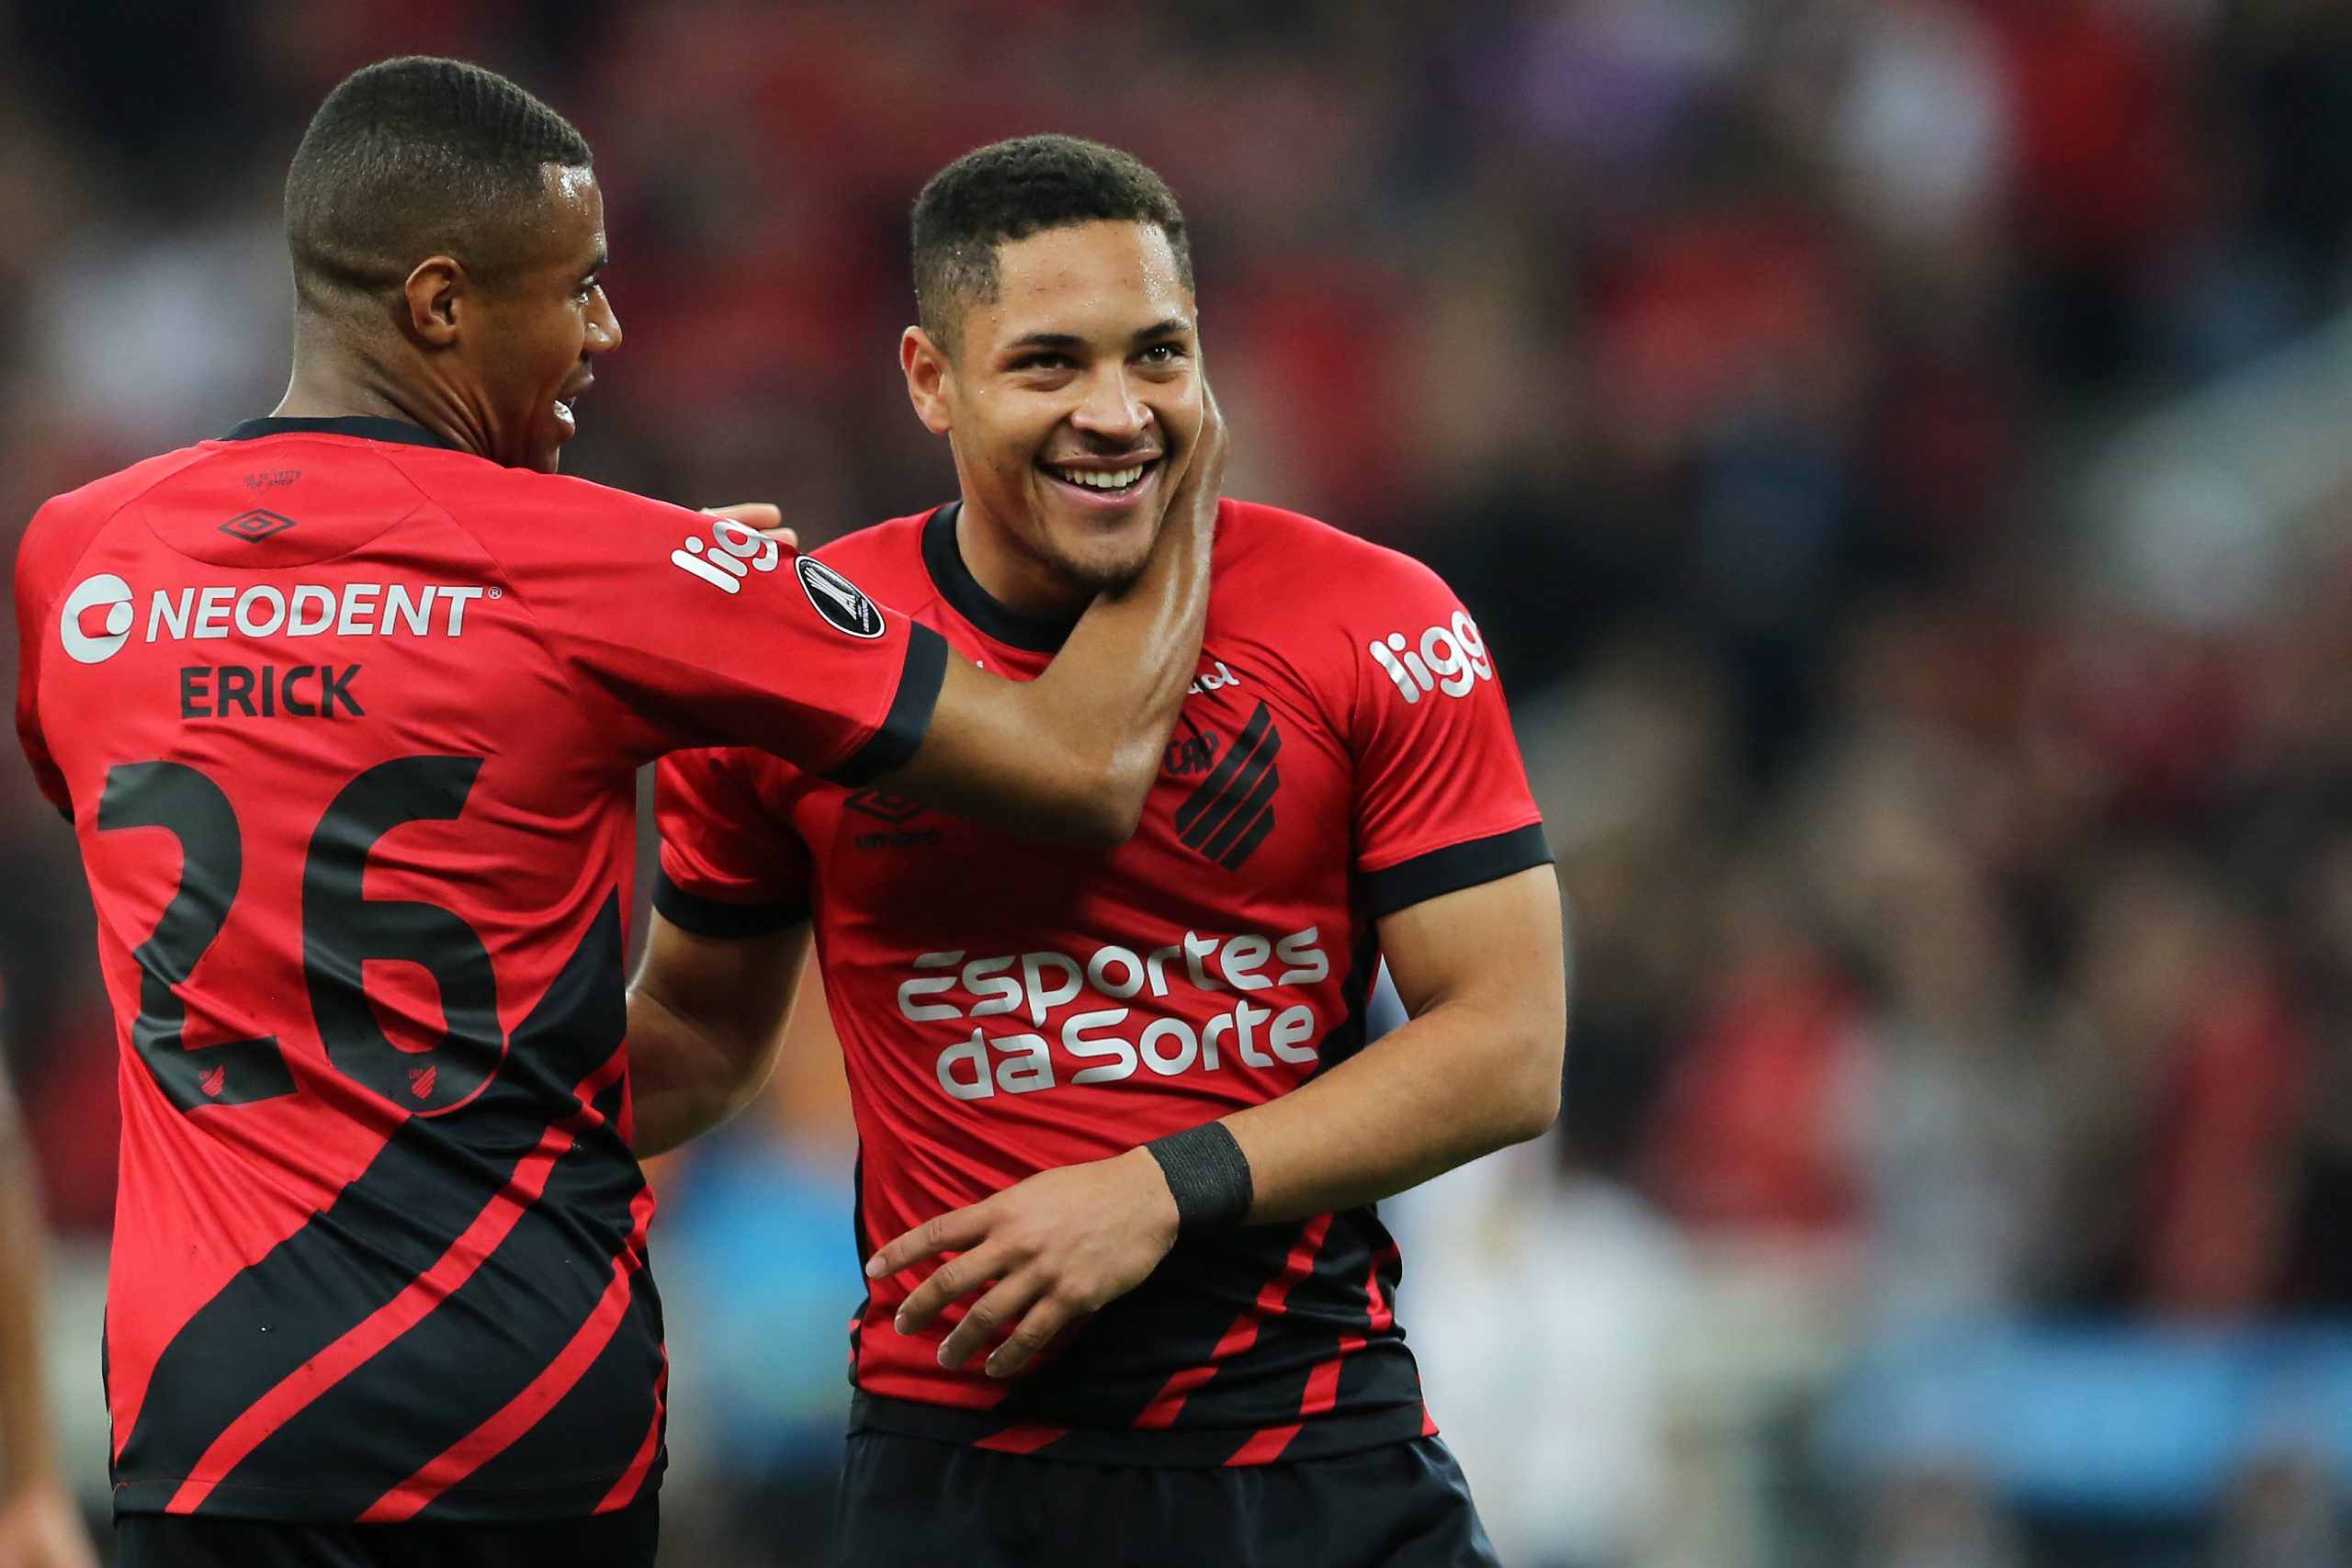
column 366, row 427
column 1014, row 628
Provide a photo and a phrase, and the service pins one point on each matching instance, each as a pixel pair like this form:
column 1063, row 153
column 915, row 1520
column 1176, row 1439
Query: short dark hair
column 1010, row 190
column 416, row 157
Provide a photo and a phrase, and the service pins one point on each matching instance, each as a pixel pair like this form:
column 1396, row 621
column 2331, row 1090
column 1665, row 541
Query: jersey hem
column 572, row 1498
column 909, row 720
column 718, row 917
column 1187, row 1448
column 1455, row 867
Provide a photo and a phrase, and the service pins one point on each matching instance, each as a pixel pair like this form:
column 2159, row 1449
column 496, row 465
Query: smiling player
column 346, row 709
column 1121, row 1132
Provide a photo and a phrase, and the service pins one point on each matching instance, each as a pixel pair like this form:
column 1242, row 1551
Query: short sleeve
column 699, row 632
column 1441, row 799
column 35, row 595
column 732, row 865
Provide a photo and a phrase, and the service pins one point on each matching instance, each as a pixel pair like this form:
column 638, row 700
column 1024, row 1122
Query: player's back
column 347, row 725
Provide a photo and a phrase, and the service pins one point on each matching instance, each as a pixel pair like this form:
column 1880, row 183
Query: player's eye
column 1044, row 362
column 1164, row 353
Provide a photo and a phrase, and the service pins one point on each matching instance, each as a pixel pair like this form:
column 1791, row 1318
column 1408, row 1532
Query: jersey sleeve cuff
column 716, row 917
column 909, row 720
column 1456, row 866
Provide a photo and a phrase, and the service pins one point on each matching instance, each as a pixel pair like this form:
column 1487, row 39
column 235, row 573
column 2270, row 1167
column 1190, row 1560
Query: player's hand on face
column 39, row 1527
column 1044, row 1251
column 765, row 515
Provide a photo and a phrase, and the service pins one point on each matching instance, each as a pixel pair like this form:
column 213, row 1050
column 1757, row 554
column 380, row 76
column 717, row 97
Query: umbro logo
column 256, row 525
column 897, row 812
column 884, row 807
column 1230, row 812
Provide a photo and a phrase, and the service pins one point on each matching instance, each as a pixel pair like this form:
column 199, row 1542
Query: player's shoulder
column 65, row 523
column 478, row 492
column 885, row 560
column 1304, row 563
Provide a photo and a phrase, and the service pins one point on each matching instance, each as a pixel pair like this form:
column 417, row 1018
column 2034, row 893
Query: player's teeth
column 1119, row 480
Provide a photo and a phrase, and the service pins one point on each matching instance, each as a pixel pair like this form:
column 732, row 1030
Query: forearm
column 1115, row 688
column 1460, row 1081
column 684, row 1080
column 25, row 1459
column 1072, row 755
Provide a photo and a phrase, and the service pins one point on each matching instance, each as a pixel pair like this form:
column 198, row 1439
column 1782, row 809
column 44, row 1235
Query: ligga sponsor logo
column 1449, row 659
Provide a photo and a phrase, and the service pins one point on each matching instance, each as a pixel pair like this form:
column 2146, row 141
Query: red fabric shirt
column 1006, row 1007
column 347, row 724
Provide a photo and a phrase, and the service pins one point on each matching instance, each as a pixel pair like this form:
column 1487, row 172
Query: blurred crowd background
column 1898, row 450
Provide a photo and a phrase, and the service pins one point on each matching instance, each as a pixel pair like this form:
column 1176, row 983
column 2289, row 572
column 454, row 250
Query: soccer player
column 1121, row 1132
column 40, row 1527
column 346, row 709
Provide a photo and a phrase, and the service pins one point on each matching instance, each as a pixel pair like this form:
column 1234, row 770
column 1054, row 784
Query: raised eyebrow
column 1174, row 326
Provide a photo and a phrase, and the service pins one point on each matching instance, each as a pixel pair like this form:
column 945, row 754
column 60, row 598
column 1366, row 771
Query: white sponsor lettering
column 1110, row 1044
column 739, row 551
column 1213, row 680
column 261, row 610
column 1449, row 659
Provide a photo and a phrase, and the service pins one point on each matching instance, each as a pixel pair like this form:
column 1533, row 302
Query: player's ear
column 432, row 292
column 928, row 372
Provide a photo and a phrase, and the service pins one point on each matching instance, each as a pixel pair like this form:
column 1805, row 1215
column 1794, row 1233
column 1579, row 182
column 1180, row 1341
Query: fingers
column 959, row 1275
column 1036, row 1331
column 950, row 1232
column 760, row 514
column 984, row 1318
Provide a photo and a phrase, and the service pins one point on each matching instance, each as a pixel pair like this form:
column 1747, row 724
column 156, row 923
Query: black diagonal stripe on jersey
column 1211, row 788
column 861, row 1248
column 434, row 1383
column 1243, row 811
column 1248, row 821
column 1108, row 1373
column 393, row 1223
column 1247, row 845
column 581, row 1435
column 1261, row 1386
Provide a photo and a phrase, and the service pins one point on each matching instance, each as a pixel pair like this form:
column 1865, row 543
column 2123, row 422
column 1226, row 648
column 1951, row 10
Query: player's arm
column 39, row 1525
column 1072, row 755
column 706, row 1015
column 1477, row 1067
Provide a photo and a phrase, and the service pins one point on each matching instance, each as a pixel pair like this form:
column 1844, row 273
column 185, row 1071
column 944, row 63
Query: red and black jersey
column 347, row 723
column 1344, row 753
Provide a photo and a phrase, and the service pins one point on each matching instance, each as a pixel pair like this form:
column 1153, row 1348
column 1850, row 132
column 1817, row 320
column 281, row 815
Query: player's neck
column 1010, row 575
column 339, row 386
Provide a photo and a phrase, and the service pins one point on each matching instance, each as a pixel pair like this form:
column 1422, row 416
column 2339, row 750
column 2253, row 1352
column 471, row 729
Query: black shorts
column 913, row 1500
column 623, row 1539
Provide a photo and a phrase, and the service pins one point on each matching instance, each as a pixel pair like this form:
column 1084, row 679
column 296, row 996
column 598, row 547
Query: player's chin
column 547, row 437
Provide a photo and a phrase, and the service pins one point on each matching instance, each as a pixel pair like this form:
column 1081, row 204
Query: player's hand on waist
column 1047, row 1250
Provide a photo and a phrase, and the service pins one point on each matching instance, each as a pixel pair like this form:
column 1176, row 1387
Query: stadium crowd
column 1961, row 873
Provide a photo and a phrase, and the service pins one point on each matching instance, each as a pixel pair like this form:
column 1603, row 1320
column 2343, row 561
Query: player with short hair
column 1121, row 1132
column 346, row 709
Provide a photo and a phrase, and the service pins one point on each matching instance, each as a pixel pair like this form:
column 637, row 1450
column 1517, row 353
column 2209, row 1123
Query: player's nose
column 1112, row 410
column 604, row 327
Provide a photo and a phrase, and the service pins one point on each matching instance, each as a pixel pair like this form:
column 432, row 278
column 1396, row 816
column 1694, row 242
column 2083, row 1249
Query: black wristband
column 1208, row 1173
